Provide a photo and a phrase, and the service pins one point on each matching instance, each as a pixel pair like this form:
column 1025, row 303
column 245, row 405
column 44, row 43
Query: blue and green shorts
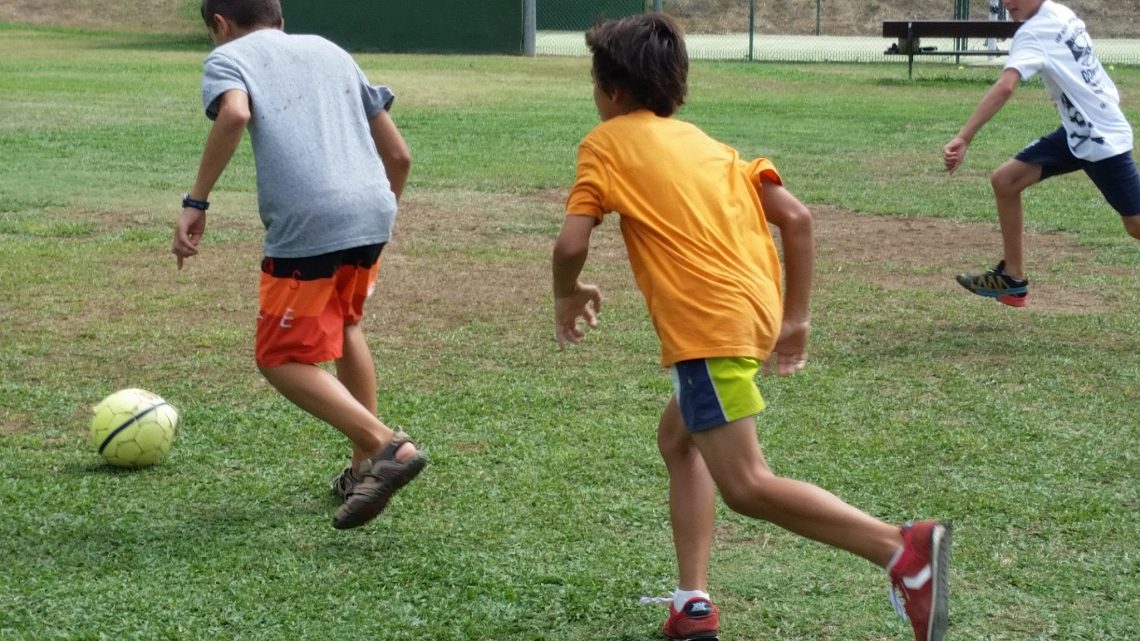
column 714, row 391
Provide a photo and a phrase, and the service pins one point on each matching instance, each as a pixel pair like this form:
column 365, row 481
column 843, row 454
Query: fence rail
column 818, row 30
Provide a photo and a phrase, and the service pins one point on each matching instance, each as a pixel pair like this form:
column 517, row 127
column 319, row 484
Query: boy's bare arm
column 794, row 221
column 393, row 150
column 1002, row 90
column 225, row 136
column 573, row 298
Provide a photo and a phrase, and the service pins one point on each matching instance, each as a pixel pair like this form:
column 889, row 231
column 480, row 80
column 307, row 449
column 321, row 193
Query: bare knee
column 675, row 448
column 1004, row 184
column 1013, row 177
column 748, row 494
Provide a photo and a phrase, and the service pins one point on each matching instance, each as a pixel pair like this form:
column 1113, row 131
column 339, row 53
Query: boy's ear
column 223, row 27
column 217, row 23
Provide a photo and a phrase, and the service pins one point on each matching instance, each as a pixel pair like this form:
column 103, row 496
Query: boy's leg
column 692, row 511
column 356, row 371
column 387, row 468
column 319, row 393
column 310, row 313
column 1007, row 282
column 1119, row 181
column 692, row 499
column 736, row 463
column 916, row 556
column 1132, row 225
column 1008, row 181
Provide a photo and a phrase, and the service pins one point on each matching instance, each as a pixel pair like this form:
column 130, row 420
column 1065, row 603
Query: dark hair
column 246, row 14
column 644, row 55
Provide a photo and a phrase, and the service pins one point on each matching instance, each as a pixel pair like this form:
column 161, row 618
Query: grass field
column 543, row 514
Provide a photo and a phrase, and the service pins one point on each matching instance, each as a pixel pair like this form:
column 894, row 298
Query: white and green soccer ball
column 133, row 428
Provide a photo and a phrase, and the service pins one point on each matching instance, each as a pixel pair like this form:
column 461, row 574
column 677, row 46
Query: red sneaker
column 920, row 577
column 696, row 620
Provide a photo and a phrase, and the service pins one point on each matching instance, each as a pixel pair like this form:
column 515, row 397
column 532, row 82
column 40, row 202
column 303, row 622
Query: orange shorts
column 307, row 302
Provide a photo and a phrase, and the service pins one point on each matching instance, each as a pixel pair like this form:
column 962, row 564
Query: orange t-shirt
column 698, row 242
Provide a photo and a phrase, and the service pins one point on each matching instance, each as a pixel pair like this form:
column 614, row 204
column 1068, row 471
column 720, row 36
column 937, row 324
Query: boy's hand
column 954, row 153
column 584, row 302
column 790, row 353
column 187, row 233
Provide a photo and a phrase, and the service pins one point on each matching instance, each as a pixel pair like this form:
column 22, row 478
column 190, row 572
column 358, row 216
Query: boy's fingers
column 792, row 363
column 566, row 334
column 590, row 316
column 782, row 364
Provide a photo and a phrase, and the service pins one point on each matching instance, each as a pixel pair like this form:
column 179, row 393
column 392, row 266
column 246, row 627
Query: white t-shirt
column 1055, row 43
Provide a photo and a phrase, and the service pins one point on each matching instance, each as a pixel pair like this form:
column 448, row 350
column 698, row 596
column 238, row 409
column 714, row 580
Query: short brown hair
column 644, row 55
column 246, row 14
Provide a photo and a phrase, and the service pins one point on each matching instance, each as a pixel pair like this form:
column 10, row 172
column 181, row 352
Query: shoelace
column 897, row 601
column 655, row 600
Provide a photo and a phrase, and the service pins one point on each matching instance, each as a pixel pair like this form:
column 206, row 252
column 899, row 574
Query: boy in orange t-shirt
column 695, row 218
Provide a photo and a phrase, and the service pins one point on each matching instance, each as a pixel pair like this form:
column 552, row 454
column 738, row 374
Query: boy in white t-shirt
column 1094, row 135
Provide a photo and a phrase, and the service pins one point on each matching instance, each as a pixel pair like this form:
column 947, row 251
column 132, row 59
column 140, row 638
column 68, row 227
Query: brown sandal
column 380, row 478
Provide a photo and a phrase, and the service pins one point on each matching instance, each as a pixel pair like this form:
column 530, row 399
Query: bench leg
column 911, row 45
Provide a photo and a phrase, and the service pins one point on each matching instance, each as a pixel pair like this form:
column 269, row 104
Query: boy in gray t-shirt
column 331, row 165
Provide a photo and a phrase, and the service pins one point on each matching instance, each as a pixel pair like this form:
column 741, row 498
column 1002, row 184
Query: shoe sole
column 940, row 589
column 700, row 636
column 344, row 519
column 1013, row 300
column 1003, row 296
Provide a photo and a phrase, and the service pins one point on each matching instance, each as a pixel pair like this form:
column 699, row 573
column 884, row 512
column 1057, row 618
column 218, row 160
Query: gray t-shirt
column 321, row 186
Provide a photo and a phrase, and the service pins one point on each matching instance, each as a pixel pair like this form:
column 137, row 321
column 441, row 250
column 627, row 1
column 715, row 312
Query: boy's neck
column 245, row 32
column 225, row 31
column 1025, row 9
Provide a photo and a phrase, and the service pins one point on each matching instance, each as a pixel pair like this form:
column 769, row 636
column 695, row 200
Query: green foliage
column 543, row 514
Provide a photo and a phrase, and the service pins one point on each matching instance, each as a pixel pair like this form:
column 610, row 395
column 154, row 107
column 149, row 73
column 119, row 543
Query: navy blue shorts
column 1115, row 177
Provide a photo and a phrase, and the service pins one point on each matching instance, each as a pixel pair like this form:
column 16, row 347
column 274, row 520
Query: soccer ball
column 133, row 428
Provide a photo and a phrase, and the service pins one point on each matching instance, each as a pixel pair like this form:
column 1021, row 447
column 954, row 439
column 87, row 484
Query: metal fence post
column 751, row 26
column 961, row 12
column 530, row 27
column 997, row 12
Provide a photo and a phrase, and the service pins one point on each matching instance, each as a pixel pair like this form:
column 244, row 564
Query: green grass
column 543, row 514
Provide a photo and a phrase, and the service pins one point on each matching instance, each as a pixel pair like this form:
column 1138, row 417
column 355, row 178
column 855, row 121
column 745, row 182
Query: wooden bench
column 909, row 34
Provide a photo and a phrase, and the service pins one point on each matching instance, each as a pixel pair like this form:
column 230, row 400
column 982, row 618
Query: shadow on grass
column 945, row 79
column 157, row 42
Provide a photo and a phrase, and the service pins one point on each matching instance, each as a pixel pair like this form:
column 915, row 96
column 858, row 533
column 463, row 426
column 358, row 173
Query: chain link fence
column 816, row 30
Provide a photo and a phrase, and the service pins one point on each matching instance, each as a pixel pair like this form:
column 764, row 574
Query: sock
column 680, row 597
column 894, row 559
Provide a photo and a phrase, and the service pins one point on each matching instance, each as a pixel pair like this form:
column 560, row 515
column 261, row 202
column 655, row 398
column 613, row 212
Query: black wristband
column 187, row 201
